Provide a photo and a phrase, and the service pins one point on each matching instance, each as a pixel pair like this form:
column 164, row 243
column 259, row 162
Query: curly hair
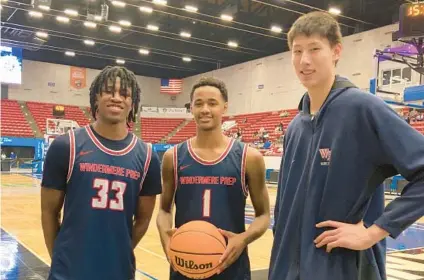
column 128, row 79
column 212, row 82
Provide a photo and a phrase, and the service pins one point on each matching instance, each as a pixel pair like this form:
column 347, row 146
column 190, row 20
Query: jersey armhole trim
column 71, row 154
column 243, row 171
column 146, row 164
column 175, row 160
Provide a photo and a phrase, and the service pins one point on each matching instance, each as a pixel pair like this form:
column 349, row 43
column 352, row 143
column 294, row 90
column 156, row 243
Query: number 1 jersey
column 213, row 191
column 101, row 196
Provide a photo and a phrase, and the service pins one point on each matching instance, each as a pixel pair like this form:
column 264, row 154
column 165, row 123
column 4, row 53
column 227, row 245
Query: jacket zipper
column 308, row 175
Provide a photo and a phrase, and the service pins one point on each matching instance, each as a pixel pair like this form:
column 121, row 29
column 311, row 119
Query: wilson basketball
column 195, row 249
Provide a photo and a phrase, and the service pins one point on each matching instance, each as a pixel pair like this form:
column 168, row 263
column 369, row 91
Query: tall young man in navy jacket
column 330, row 220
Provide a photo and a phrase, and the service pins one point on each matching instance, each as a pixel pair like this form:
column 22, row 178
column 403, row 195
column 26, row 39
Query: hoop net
column 54, row 128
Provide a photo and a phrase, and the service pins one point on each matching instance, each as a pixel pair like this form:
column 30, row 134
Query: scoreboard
column 411, row 20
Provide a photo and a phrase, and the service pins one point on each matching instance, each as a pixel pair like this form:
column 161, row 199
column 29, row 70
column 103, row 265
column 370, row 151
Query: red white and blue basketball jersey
column 102, row 191
column 213, row 191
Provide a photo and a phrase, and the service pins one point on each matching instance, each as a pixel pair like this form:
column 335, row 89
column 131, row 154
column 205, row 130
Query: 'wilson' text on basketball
column 191, row 265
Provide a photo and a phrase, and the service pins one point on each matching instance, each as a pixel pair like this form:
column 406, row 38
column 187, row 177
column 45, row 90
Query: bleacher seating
column 154, row 129
column 13, row 122
column 418, row 126
column 42, row 111
column 188, row 131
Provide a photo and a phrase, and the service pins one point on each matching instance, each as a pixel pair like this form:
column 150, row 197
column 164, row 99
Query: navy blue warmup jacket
column 333, row 166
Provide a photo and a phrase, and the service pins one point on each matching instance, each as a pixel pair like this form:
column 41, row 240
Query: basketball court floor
column 23, row 254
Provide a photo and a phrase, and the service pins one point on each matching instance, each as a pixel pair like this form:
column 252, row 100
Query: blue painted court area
column 412, row 237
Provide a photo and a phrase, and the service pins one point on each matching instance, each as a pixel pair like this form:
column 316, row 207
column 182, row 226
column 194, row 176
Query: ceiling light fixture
column 276, row 29
column 232, row 44
column 334, row 11
column 68, row 53
column 186, row 59
column 152, row 27
column 146, row 10
column 71, row 12
column 62, row 19
column 44, row 7
column 41, row 34
column 89, row 42
column 119, row 4
column 120, row 61
column 90, row 24
column 115, row 28
column 143, row 51
column 185, row 34
column 125, row 23
column 159, row 2
column 35, row 14
column 226, row 17
column 191, row 9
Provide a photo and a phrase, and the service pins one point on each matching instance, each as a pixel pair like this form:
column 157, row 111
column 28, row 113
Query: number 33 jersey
column 102, row 191
column 213, row 191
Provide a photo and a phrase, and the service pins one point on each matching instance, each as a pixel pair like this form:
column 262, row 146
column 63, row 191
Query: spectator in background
column 265, row 136
column 420, row 117
column 239, row 134
column 284, row 114
column 279, row 127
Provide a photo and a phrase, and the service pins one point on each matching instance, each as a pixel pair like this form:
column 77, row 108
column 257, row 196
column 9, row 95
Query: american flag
column 171, row 86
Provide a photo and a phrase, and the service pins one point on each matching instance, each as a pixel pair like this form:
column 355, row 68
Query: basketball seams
column 195, row 273
column 198, row 231
column 198, row 254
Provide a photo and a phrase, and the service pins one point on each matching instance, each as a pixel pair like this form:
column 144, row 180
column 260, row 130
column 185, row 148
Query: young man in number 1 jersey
column 209, row 177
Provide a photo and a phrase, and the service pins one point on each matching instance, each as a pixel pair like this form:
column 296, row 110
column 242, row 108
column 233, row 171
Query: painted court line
column 151, row 252
column 147, row 275
column 26, row 247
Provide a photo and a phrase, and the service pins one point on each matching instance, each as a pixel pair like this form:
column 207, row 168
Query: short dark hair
column 128, row 79
column 212, row 82
column 316, row 23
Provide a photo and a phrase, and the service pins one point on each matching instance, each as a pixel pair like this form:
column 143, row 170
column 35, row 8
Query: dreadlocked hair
column 128, row 79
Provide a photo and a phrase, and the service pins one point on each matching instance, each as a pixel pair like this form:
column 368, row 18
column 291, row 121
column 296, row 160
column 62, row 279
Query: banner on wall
column 149, row 109
column 163, row 110
column 78, row 77
column 172, row 110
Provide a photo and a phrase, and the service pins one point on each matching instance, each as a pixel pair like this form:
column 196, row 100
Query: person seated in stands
column 284, row 114
column 420, row 117
column 267, row 144
column 279, row 127
column 413, row 114
column 261, row 131
column 265, row 136
column 239, row 134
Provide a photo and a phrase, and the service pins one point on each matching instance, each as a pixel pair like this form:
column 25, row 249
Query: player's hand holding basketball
column 169, row 233
column 236, row 245
column 349, row 236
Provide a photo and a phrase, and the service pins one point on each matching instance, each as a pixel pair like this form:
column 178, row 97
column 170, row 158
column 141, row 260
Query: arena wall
column 270, row 83
column 263, row 84
column 47, row 82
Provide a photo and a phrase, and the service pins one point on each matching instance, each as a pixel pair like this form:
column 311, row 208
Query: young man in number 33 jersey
column 108, row 180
